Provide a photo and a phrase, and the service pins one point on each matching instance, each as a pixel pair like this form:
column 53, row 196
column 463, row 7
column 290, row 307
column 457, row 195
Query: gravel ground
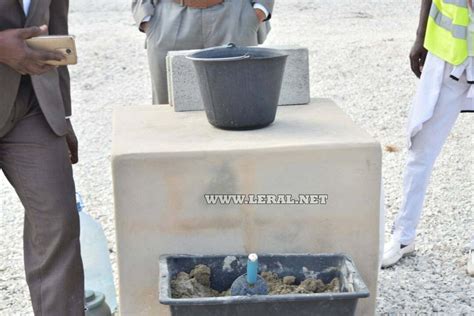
column 358, row 57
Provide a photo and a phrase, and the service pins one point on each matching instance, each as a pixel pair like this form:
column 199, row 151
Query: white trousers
column 442, row 98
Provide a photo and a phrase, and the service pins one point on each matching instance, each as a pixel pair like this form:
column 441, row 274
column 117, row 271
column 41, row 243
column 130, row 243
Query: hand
column 72, row 143
column 260, row 15
column 417, row 57
column 144, row 26
column 15, row 53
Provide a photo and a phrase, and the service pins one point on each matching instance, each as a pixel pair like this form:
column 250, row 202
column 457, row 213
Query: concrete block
column 295, row 87
column 184, row 91
column 170, row 80
column 164, row 163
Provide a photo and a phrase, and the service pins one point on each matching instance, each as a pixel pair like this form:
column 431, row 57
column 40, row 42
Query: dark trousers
column 36, row 163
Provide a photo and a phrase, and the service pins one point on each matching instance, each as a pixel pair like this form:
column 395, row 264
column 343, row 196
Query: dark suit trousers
column 36, row 163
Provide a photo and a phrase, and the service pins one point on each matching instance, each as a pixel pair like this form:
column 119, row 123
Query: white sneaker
column 470, row 259
column 394, row 251
column 470, row 262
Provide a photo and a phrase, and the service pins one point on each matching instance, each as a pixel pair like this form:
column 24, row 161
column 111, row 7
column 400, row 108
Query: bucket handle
column 246, row 56
column 230, row 45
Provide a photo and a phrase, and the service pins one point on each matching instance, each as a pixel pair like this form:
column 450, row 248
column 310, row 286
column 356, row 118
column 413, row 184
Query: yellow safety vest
column 447, row 30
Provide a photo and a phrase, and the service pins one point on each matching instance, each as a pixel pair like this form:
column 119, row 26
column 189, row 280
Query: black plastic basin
column 225, row 271
column 240, row 86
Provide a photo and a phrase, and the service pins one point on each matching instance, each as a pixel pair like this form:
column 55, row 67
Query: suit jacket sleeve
column 142, row 9
column 58, row 25
column 268, row 4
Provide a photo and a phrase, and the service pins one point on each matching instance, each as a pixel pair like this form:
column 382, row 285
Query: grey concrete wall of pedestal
column 184, row 91
column 165, row 162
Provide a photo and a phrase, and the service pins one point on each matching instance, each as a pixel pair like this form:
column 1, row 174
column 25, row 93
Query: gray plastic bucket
column 240, row 86
column 223, row 273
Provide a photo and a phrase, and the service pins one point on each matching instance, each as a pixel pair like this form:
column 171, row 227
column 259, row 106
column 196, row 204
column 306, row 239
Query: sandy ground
column 358, row 57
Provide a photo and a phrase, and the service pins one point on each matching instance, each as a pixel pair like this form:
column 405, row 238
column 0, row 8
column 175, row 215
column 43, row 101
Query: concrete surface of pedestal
column 165, row 162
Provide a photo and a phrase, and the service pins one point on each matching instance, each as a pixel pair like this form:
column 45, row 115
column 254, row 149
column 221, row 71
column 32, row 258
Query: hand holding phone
column 64, row 44
column 15, row 53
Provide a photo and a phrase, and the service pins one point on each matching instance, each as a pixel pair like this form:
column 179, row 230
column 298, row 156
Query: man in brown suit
column 37, row 147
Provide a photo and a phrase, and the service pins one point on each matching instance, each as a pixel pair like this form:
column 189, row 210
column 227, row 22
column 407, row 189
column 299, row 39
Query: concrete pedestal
column 164, row 163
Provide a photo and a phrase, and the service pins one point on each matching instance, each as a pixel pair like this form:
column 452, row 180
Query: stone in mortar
column 195, row 284
column 287, row 285
column 202, row 274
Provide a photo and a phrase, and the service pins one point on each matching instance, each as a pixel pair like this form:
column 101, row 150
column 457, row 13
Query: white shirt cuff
column 261, row 7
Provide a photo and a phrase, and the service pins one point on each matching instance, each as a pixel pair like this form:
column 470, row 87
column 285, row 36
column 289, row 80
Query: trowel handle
column 252, row 269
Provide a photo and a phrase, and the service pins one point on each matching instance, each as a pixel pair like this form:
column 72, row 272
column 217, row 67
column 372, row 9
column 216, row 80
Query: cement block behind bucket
column 183, row 88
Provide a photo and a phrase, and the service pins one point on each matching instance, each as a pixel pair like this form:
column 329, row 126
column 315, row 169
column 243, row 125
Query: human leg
column 36, row 163
column 173, row 27
column 425, row 147
column 232, row 22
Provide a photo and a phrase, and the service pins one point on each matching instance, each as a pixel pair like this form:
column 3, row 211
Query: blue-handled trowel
column 250, row 283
